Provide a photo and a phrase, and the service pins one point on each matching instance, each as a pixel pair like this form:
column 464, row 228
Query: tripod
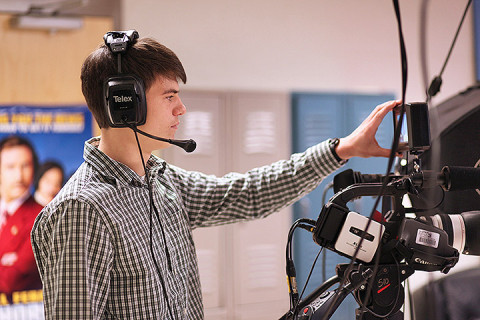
column 384, row 297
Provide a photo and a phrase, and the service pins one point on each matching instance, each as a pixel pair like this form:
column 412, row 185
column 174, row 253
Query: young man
column 93, row 246
column 18, row 211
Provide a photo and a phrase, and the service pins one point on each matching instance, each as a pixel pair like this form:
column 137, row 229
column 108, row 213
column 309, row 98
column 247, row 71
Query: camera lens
column 472, row 227
column 462, row 230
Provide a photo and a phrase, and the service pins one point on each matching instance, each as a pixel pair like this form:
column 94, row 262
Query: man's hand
column 362, row 142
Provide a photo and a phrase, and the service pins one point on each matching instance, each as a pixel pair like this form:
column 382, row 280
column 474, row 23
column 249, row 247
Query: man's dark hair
column 146, row 58
column 16, row 141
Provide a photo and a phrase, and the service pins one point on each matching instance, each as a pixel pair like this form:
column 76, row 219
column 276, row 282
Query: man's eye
column 170, row 98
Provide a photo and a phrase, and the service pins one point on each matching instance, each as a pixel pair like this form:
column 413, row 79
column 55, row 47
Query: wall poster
column 40, row 147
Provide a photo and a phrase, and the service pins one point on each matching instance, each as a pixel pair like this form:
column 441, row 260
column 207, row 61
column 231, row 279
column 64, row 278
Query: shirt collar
column 112, row 169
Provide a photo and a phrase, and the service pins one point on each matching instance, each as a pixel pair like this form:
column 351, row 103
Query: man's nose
column 180, row 109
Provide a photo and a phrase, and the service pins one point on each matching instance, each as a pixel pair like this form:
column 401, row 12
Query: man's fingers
column 383, row 153
column 377, row 115
column 386, row 108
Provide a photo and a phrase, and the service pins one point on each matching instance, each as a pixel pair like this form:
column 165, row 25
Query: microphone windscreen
column 190, row 146
column 461, row 178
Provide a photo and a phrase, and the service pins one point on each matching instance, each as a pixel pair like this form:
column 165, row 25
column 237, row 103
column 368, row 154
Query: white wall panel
column 259, row 122
column 204, row 122
column 242, row 265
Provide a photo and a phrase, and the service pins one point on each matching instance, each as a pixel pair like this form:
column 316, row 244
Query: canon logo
column 418, row 260
column 122, row 98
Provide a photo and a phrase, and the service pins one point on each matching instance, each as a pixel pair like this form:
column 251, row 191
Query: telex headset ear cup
column 124, row 94
column 125, row 101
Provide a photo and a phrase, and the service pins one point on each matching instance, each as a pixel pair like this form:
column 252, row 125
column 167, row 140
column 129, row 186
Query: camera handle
column 334, row 213
column 395, row 189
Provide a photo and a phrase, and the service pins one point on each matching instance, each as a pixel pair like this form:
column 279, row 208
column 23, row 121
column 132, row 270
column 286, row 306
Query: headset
column 124, row 94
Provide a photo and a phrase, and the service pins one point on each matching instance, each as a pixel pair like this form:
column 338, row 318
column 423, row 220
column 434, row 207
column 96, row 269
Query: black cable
column 306, row 224
column 393, row 149
column 455, row 38
column 150, row 194
column 396, row 137
column 306, row 282
column 167, row 252
column 437, row 81
column 423, row 45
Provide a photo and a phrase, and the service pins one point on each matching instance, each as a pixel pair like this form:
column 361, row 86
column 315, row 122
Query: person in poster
column 18, row 210
column 48, row 181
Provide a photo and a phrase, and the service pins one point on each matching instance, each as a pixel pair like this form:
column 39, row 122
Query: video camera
column 340, row 229
column 387, row 248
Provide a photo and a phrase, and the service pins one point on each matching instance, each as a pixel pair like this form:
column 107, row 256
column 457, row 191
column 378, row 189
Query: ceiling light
column 46, row 22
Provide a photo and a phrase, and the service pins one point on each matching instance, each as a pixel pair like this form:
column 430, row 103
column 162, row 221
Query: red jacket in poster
column 18, row 270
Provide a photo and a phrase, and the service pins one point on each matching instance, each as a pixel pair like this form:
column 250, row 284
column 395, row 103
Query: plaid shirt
column 92, row 242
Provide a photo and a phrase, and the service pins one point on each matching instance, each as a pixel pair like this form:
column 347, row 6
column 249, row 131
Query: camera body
column 342, row 231
column 394, row 237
